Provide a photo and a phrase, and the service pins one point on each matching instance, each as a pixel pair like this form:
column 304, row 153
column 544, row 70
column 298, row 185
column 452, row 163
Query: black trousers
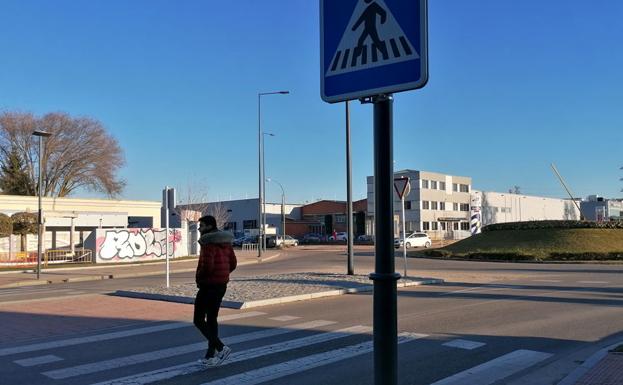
column 207, row 305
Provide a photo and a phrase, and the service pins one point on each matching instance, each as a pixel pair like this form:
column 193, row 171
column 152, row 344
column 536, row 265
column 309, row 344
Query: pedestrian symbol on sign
column 372, row 38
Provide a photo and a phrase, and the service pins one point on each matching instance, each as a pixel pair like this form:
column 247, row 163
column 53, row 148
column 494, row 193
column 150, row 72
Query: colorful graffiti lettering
column 131, row 244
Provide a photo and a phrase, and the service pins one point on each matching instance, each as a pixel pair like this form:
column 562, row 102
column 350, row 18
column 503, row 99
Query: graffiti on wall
column 136, row 244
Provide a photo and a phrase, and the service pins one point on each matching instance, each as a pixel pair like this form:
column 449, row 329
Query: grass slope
column 542, row 244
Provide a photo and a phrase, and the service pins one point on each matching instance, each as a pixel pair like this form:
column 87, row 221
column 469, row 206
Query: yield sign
column 402, row 186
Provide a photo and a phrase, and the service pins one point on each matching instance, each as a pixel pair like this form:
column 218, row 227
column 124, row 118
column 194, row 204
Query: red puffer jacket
column 216, row 260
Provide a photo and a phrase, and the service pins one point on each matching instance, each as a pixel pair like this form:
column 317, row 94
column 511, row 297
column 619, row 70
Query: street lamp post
column 283, row 208
column 264, row 222
column 260, row 155
column 41, row 135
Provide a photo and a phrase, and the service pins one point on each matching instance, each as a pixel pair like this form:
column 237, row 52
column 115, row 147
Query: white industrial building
column 438, row 204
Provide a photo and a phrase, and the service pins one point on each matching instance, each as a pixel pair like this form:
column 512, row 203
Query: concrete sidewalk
column 602, row 368
column 100, row 272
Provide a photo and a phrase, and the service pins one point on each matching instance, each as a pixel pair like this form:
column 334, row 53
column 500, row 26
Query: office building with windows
column 438, row 204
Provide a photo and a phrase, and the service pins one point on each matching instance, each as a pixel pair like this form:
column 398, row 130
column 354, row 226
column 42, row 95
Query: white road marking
column 194, row 367
column 114, row 335
column 273, row 372
column 284, row 318
column 594, row 282
column 38, row 360
column 488, row 287
column 134, row 359
column 547, row 280
column 464, row 344
column 496, row 369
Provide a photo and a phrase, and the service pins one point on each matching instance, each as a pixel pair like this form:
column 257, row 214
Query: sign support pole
column 349, row 195
column 385, row 323
column 166, row 236
column 404, row 235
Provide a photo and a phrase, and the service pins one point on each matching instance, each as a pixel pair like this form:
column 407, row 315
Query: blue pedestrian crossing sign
column 372, row 47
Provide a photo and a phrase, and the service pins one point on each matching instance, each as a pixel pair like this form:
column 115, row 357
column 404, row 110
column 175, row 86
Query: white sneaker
column 209, row 362
column 223, row 354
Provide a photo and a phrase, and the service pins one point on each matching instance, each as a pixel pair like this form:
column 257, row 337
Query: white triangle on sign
column 401, row 185
column 372, row 38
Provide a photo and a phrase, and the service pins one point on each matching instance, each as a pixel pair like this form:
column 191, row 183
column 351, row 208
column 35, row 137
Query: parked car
column 416, row 239
column 287, row 241
column 246, row 239
column 341, row 236
column 312, row 238
column 365, row 238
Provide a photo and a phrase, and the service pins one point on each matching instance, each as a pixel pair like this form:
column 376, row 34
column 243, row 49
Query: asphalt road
column 491, row 323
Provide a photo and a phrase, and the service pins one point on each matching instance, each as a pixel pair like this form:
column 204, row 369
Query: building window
column 249, row 224
column 455, row 187
column 455, row 225
column 424, row 183
column 407, row 205
column 464, row 206
column 410, row 226
column 229, row 226
column 442, row 186
column 442, row 205
column 464, row 188
column 435, row 226
column 433, row 205
column 455, row 207
column 340, row 219
column 433, row 184
column 425, row 226
column 425, row 205
column 443, row 226
column 464, row 226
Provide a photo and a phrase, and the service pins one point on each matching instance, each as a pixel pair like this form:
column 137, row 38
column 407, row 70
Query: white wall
column 507, row 207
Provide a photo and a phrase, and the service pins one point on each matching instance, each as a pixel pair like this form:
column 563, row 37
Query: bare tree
column 195, row 204
column 219, row 212
column 79, row 154
column 194, row 201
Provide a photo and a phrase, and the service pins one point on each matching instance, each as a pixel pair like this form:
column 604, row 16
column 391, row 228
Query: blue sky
column 514, row 86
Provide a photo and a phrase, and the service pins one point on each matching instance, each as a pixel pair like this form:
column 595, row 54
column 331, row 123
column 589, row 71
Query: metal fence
column 66, row 256
column 29, row 258
column 249, row 246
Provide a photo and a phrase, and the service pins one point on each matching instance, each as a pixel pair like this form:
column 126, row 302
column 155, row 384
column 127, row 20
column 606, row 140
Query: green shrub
column 537, row 225
column 24, row 223
column 6, row 226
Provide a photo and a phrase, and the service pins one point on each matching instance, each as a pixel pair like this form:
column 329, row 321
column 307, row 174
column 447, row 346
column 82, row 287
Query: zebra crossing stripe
column 38, row 360
column 115, row 335
column 496, row 369
column 140, row 358
column 360, row 56
column 194, row 367
column 273, row 372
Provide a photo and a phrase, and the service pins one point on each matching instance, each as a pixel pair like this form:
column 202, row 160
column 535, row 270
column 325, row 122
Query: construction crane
column 568, row 192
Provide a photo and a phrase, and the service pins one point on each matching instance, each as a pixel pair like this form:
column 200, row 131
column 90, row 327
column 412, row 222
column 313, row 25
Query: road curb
column 101, row 277
column 272, row 301
column 587, row 365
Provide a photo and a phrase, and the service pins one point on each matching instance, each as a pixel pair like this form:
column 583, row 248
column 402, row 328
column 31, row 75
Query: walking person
column 216, row 260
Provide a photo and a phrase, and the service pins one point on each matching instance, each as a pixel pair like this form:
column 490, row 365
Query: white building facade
column 438, row 204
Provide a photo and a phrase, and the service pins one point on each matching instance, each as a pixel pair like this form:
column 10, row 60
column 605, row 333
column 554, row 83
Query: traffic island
column 248, row 292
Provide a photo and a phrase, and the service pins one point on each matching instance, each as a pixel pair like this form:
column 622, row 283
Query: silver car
column 287, row 241
column 416, row 239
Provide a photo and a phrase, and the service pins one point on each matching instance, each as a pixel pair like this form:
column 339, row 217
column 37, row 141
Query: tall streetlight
column 283, row 208
column 41, row 135
column 260, row 156
column 264, row 222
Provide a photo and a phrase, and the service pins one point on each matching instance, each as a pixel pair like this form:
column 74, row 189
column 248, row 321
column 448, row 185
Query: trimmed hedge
column 513, row 257
column 24, row 223
column 6, row 225
column 537, row 225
